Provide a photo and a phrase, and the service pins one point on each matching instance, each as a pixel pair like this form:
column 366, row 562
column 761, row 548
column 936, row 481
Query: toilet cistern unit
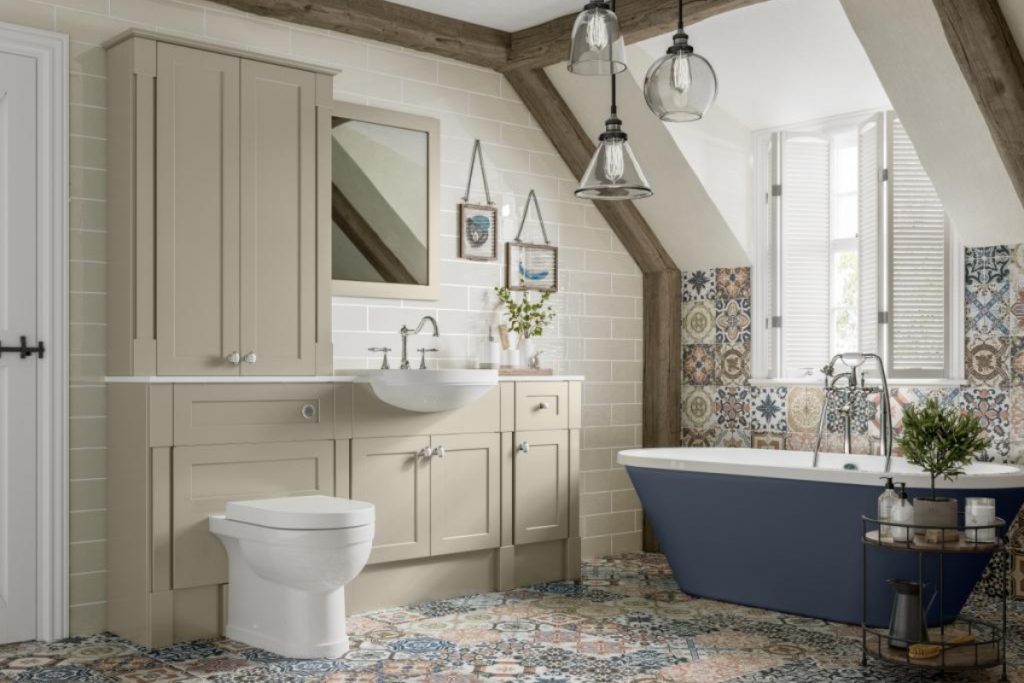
column 289, row 560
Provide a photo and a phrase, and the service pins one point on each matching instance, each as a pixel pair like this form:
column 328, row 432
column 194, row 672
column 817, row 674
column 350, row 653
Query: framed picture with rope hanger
column 530, row 266
column 478, row 223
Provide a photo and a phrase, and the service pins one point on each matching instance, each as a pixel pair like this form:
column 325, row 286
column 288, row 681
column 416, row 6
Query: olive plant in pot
column 942, row 441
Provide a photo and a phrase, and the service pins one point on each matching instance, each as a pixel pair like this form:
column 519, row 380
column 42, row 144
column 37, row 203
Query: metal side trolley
column 963, row 643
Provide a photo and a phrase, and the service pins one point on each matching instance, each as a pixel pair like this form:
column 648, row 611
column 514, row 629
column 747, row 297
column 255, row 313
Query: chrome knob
column 234, row 358
column 524, row 447
column 308, row 411
column 425, row 452
column 250, row 358
column 439, row 452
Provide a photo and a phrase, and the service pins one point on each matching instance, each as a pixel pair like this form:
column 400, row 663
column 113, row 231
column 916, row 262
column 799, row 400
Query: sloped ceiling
column 908, row 48
column 681, row 213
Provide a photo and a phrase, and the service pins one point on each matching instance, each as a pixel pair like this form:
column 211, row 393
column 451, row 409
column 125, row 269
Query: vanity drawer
column 252, row 413
column 542, row 405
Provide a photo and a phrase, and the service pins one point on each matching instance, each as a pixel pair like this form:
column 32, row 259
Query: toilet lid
column 302, row 512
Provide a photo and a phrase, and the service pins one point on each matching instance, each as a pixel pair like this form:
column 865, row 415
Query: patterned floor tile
column 625, row 622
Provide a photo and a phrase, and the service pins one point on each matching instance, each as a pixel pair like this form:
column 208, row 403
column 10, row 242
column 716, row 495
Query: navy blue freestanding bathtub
column 765, row 529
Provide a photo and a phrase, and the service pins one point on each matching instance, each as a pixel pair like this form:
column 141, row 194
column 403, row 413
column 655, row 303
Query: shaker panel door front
column 197, row 202
column 541, row 486
column 465, row 506
column 278, row 221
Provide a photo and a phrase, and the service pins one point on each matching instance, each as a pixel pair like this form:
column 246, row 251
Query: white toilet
column 288, row 562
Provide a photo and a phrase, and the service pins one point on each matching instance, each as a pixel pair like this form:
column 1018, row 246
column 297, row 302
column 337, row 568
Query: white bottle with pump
column 903, row 515
column 886, row 502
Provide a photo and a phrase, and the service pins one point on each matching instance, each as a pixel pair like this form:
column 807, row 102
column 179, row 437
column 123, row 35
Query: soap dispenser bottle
column 886, row 502
column 903, row 515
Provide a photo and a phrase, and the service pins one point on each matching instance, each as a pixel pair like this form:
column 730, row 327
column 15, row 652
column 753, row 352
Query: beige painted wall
column 598, row 330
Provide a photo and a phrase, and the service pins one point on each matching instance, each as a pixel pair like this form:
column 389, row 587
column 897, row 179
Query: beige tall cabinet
column 218, row 212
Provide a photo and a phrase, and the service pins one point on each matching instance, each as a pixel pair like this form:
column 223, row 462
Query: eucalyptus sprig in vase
column 942, row 441
column 526, row 318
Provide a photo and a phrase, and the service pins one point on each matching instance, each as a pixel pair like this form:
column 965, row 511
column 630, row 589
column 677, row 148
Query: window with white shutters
column 857, row 256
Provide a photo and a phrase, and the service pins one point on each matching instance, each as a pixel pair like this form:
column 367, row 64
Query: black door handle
column 24, row 350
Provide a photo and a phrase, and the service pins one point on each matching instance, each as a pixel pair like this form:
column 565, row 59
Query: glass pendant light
column 681, row 86
column 613, row 173
column 598, row 48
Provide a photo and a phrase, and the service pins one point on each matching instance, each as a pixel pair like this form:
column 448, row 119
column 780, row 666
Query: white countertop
column 283, row 379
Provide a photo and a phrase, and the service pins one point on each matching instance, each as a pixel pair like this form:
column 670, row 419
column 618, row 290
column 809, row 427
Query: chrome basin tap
column 406, row 333
column 854, row 361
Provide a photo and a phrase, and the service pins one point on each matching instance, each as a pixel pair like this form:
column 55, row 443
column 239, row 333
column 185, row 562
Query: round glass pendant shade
column 614, row 173
column 598, row 48
column 681, row 86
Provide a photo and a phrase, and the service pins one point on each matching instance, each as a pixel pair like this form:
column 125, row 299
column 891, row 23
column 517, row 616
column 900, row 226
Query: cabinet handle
column 524, row 447
column 234, row 358
column 308, row 411
column 424, row 452
column 439, row 452
column 250, row 358
column 543, row 405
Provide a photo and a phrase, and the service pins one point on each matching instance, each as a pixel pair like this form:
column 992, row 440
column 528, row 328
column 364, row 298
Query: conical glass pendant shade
column 613, row 173
column 681, row 86
column 598, row 48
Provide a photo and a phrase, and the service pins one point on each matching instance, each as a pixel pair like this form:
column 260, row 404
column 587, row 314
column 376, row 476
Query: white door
column 19, row 228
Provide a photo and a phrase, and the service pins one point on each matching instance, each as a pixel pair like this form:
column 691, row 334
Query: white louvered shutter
column 771, row 261
column 918, row 248
column 806, row 170
column 870, row 204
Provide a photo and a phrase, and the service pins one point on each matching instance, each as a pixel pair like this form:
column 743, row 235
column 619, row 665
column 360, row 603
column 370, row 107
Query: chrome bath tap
column 853, row 361
column 406, row 333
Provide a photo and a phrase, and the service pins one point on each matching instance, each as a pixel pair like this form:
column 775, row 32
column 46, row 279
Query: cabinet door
column 540, row 486
column 197, row 167
column 465, row 483
column 392, row 473
column 206, row 478
column 278, row 226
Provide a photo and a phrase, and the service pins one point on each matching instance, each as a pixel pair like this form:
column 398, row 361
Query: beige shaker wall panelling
column 597, row 333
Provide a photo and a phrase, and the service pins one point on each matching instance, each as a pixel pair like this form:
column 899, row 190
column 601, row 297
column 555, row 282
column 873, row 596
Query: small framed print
column 478, row 232
column 531, row 267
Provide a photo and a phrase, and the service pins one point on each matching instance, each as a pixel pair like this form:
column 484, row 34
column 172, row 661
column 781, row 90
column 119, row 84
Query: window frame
column 766, row 338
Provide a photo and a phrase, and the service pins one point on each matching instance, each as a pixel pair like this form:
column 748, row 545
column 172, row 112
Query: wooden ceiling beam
column 390, row 23
column 992, row 65
column 548, row 43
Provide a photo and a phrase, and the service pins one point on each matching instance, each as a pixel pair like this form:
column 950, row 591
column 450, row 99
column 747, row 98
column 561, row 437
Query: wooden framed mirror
column 385, row 203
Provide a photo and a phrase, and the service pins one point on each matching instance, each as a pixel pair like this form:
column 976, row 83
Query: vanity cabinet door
column 206, row 478
column 540, row 486
column 465, row 506
column 197, row 205
column 278, row 222
column 393, row 473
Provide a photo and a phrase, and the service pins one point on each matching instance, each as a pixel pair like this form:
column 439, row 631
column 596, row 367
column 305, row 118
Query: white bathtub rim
column 796, row 465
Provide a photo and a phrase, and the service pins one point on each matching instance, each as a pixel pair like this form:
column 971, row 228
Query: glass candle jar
column 980, row 512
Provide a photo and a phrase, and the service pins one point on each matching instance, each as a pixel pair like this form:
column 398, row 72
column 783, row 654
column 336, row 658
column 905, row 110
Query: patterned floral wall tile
column 733, row 283
column 699, row 322
column 800, row 441
column 1016, row 414
column 698, row 438
column 699, row 364
column 732, row 321
column 1016, row 361
column 987, row 309
column 699, row 285
column 733, row 438
column 732, row 364
column 732, row 408
column 803, row 407
column 987, row 264
column 987, row 360
column 768, row 409
column 699, row 407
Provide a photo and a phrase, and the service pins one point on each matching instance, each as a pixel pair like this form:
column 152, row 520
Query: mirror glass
column 379, row 203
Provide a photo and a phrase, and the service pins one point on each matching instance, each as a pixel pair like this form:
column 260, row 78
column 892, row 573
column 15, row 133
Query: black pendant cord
column 611, row 58
column 680, row 15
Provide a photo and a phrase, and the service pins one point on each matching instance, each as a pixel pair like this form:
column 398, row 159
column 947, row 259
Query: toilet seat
column 302, row 512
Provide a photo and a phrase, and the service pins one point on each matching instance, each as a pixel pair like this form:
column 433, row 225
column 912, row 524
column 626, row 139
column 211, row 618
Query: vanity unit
column 222, row 387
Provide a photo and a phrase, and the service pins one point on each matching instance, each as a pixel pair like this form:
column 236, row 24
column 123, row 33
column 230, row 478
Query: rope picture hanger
column 478, row 223
column 531, row 266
